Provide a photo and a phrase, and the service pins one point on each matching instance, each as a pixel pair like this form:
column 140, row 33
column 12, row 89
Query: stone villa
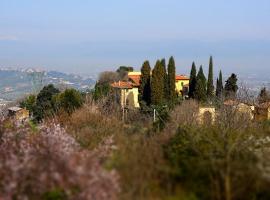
column 129, row 90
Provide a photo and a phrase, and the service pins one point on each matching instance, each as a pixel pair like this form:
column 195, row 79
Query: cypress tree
column 157, row 86
column 200, row 93
column 192, row 81
column 200, row 90
column 219, row 87
column 165, row 78
column 210, row 81
column 231, row 86
column 171, row 80
column 145, row 88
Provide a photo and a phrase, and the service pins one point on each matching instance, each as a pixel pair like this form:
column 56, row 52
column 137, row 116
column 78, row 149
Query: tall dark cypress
column 219, row 87
column 210, row 81
column 200, row 90
column 192, row 81
column 157, row 85
column 145, row 87
column 171, row 80
column 165, row 77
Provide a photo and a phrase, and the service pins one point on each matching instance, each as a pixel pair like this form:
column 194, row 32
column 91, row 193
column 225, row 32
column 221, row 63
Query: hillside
column 15, row 83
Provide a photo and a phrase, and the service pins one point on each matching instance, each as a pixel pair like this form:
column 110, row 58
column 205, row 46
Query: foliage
column 165, row 77
column 171, row 79
column 52, row 165
column 210, row 83
column 157, row 84
column 219, row 87
column 101, row 90
column 231, row 86
column 200, row 90
column 223, row 156
column 264, row 96
column 29, row 103
column 44, row 103
column 145, row 86
column 55, row 194
column 69, row 100
column 162, row 117
column 192, row 81
column 123, row 71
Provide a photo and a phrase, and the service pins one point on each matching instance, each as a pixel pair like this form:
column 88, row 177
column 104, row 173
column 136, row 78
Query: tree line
column 50, row 101
column 157, row 86
column 203, row 89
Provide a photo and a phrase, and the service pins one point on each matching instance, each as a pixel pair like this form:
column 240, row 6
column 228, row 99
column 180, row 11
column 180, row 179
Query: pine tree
column 219, row 87
column 192, row 81
column 264, row 96
column 210, row 82
column 157, row 86
column 171, row 80
column 200, row 90
column 231, row 86
column 145, row 87
column 165, row 79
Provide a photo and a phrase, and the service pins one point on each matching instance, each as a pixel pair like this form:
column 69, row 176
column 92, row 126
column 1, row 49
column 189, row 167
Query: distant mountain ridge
column 15, row 83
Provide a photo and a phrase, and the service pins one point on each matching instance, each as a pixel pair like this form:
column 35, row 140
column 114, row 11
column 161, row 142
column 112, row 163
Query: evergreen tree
column 163, row 64
column 200, row 90
column 231, row 86
column 200, row 93
column 192, row 81
column 68, row 101
column 171, row 80
column 157, row 86
column 210, row 82
column 219, row 87
column 145, row 88
column 44, row 103
column 264, row 96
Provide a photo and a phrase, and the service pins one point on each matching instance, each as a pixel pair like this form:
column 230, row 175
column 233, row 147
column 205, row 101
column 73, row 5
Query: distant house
column 262, row 112
column 182, row 85
column 129, row 90
column 18, row 114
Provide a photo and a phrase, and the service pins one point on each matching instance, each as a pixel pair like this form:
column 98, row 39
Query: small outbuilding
column 18, row 114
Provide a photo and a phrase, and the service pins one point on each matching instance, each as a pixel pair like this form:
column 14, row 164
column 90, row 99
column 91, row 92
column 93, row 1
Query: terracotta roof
column 135, row 79
column 181, row 77
column 122, row 84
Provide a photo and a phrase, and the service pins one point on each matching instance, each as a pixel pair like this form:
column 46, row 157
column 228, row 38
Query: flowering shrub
column 50, row 164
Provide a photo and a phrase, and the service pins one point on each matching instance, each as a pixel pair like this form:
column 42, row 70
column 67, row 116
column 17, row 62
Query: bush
column 68, row 101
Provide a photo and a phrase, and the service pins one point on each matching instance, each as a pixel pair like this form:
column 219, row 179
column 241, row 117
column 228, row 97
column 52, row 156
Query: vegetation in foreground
column 91, row 154
column 78, row 147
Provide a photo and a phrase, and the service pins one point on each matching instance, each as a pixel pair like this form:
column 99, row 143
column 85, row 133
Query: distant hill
column 15, row 83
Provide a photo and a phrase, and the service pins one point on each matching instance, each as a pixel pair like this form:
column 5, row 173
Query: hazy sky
column 87, row 36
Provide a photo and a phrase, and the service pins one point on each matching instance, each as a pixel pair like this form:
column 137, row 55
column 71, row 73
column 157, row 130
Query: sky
column 90, row 36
